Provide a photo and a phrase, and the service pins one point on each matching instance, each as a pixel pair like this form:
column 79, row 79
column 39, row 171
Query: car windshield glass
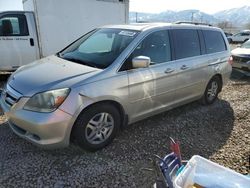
column 246, row 44
column 99, row 48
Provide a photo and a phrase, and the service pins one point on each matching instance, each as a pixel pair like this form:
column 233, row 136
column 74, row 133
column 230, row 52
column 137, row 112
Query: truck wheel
column 212, row 90
column 96, row 127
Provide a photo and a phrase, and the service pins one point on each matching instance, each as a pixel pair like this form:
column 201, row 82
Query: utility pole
column 192, row 17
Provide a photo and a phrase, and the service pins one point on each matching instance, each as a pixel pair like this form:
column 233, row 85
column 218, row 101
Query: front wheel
column 96, row 127
column 212, row 90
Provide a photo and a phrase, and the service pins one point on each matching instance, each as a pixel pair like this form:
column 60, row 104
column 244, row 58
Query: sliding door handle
column 184, row 67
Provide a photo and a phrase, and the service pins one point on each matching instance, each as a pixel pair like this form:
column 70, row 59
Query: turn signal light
column 230, row 60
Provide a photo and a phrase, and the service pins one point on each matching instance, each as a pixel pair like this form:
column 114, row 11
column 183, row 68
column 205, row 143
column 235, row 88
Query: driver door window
column 152, row 88
column 156, row 46
column 13, row 25
column 18, row 46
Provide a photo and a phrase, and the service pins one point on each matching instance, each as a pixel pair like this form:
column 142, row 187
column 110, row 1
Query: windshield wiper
column 90, row 64
column 59, row 54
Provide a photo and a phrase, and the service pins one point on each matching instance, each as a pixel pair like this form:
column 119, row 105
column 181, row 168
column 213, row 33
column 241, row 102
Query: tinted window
column 13, row 25
column 186, row 42
column 214, row 41
column 245, row 34
column 156, row 46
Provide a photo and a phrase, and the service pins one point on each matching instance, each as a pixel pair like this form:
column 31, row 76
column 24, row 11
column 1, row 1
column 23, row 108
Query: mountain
column 238, row 16
column 235, row 15
column 173, row 16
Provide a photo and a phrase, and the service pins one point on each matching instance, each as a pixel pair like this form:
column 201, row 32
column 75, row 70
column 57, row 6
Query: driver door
column 151, row 89
column 17, row 43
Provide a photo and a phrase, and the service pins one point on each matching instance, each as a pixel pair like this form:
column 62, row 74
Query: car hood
column 241, row 51
column 49, row 73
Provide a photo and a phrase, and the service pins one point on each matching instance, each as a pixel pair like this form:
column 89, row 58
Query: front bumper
column 241, row 62
column 47, row 130
column 242, row 66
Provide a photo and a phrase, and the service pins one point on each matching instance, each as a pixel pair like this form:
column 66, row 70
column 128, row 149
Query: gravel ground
column 220, row 132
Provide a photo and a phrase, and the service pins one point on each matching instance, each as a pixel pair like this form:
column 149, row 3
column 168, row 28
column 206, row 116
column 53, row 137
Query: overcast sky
column 154, row 6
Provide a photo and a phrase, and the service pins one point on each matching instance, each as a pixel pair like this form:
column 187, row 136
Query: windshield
column 246, row 44
column 99, row 48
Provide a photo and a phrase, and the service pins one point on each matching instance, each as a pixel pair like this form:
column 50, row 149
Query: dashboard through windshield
column 99, row 48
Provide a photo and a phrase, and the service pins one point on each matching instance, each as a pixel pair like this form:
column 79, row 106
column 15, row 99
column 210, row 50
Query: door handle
column 32, row 42
column 169, row 70
column 215, row 63
column 184, row 67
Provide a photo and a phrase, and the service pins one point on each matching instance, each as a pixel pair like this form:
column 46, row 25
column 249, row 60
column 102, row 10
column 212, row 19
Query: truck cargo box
column 60, row 22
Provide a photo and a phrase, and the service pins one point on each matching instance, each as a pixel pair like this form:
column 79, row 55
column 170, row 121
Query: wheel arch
column 117, row 105
column 218, row 75
column 221, row 80
column 204, row 99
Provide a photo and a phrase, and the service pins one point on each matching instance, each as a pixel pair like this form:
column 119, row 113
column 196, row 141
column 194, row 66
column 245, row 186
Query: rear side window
column 13, row 25
column 214, row 41
column 186, row 43
column 245, row 34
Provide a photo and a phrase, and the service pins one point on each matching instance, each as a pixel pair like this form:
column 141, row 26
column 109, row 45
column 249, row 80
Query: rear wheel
column 212, row 90
column 96, row 127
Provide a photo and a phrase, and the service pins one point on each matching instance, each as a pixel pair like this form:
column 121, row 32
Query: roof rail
column 194, row 23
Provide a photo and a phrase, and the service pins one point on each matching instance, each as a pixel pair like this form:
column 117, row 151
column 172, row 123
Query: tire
column 212, row 90
column 96, row 127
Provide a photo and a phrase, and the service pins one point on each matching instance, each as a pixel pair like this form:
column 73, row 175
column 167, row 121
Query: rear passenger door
column 191, row 67
column 216, row 50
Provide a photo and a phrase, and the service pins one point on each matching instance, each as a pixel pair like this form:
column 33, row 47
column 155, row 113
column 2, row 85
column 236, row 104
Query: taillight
column 230, row 60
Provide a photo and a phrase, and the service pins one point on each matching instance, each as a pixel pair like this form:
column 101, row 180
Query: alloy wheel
column 99, row 128
column 212, row 91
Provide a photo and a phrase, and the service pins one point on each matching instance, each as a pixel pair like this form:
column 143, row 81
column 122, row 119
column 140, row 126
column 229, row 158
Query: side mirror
column 141, row 62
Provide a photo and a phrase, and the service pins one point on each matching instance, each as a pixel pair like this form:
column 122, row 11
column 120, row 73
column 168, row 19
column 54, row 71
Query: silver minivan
column 113, row 76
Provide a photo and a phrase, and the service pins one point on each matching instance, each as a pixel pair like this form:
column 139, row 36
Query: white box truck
column 47, row 26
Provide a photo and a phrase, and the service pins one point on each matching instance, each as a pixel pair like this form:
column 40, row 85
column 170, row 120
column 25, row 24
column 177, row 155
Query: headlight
column 47, row 101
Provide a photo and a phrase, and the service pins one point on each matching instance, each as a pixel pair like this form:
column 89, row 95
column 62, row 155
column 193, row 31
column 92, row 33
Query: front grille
column 9, row 99
column 19, row 129
column 241, row 59
column 10, row 95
